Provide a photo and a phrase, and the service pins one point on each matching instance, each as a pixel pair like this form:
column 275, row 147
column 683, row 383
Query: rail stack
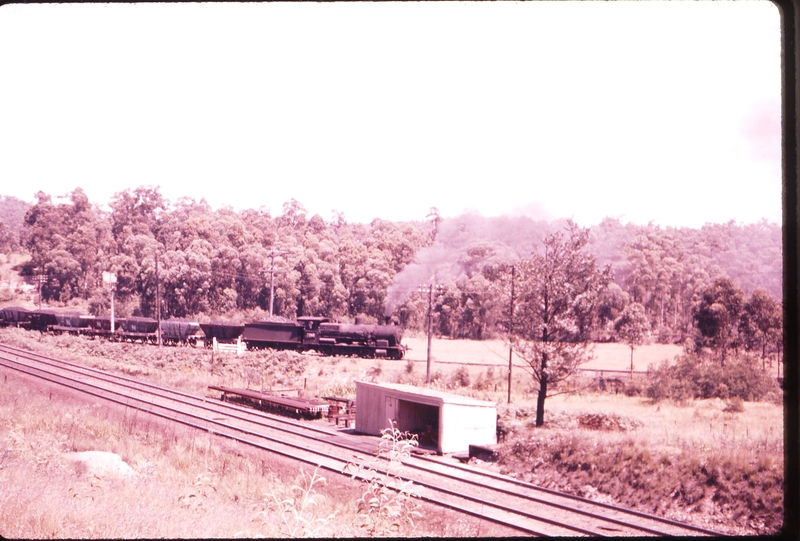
column 307, row 408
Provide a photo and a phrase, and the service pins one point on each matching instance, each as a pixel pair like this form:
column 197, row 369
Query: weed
column 201, row 489
column 736, row 405
column 374, row 371
column 388, row 505
column 341, row 390
column 298, row 509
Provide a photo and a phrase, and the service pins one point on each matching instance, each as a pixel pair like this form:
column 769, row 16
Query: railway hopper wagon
column 14, row 316
column 223, row 332
column 180, row 332
column 72, row 323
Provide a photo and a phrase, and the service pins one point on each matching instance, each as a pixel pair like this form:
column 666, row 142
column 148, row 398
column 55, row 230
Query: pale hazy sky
column 644, row 111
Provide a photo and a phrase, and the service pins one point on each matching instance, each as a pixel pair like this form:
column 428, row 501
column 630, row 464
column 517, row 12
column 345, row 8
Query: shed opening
column 419, row 419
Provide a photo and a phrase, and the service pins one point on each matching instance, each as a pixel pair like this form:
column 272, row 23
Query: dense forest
column 219, row 263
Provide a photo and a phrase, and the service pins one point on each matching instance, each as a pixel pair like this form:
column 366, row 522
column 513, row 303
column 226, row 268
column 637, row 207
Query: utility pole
column 158, row 303
column 111, row 279
column 40, row 279
column 510, row 333
column 272, row 255
column 113, row 291
column 429, row 291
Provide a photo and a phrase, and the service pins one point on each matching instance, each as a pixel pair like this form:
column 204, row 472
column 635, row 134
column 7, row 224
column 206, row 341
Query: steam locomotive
column 305, row 334
column 318, row 334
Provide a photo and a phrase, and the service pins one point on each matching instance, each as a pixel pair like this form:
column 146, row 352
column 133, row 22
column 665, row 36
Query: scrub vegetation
column 716, row 462
column 171, row 481
column 697, row 437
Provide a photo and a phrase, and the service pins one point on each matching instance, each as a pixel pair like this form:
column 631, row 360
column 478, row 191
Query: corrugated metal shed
column 448, row 422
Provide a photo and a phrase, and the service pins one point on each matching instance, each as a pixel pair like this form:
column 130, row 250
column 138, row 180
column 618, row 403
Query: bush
column 461, row 377
column 633, row 389
column 735, row 406
column 691, row 378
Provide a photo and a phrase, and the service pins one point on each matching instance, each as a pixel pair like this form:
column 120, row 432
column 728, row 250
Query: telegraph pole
column 40, row 279
column 510, row 333
column 111, row 279
column 272, row 255
column 113, row 291
column 158, row 303
column 429, row 291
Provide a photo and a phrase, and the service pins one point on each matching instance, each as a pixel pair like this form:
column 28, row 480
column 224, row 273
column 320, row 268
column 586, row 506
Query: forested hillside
column 217, row 263
column 12, row 218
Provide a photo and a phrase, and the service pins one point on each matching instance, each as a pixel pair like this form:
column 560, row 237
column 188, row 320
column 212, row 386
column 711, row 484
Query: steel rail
column 317, row 459
column 330, row 463
column 202, row 403
column 580, row 499
column 353, row 447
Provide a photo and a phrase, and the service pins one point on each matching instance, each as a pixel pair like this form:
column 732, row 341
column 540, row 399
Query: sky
column 664, row 112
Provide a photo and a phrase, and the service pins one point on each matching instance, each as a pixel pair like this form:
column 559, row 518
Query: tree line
column 717, row 287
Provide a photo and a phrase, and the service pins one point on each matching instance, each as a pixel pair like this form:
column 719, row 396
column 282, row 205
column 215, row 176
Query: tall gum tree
column 632, row 326
column 555, row 285
column 716, row 315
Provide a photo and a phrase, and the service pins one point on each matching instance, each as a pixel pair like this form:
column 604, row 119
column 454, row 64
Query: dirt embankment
column 603, row 460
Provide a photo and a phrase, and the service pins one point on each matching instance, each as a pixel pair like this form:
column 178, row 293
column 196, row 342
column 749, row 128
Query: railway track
column 442, row 480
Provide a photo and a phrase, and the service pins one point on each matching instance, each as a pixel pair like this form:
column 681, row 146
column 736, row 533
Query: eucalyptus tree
column 68, row 242
column 632, row 326
column 761, row 323
column 716, row 315
column 554, row 287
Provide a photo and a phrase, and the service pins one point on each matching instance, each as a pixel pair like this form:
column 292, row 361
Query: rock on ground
column 101, row 463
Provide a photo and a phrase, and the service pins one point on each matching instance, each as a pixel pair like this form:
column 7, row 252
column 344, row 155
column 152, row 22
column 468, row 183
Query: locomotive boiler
column 318, row 334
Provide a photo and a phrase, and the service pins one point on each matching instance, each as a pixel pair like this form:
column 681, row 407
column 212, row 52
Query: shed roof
column 437, row 396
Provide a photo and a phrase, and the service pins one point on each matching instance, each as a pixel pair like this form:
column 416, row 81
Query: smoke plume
column 464, row 245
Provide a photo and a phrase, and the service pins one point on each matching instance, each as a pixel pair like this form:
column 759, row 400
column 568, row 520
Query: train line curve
column 441, row 480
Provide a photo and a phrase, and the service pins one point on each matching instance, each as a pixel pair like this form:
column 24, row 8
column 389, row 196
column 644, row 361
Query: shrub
column 691, row 378
column 735, row 406
column 461, row 377
column 633, row 389
column 374, row 371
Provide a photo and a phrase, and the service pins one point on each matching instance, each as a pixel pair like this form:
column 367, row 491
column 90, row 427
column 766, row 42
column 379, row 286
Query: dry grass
column 495, row 352
column 186, row 484
column 700, row 461
column 697, row 462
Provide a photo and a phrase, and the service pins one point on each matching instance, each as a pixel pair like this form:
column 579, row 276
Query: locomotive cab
column 311, row 329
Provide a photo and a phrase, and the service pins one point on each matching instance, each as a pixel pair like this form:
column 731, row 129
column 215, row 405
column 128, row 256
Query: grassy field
column 699, row 461
column 181, row 483
column 495, row 352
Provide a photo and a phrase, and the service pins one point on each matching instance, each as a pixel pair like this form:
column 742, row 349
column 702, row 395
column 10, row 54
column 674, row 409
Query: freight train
column 306, row 334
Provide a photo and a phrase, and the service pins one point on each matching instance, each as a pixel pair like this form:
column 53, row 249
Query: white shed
column 449, row 422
